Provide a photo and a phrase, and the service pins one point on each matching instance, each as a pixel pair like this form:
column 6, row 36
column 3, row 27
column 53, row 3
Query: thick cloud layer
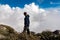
column 41, row 19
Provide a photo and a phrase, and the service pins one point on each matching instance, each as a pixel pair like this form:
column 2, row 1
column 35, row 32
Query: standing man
column 26, row 23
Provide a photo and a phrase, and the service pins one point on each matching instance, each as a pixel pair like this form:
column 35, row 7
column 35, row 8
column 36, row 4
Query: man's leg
column 24, row 29
column 28, row 31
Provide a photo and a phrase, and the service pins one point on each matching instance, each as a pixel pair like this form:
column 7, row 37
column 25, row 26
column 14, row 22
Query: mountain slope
column 8, row 33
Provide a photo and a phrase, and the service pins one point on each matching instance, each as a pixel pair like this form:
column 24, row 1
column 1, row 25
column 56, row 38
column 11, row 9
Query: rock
column 7, row 33
column 2, row 36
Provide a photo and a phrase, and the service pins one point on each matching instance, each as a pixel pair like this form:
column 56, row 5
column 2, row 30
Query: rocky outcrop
column 8, row 33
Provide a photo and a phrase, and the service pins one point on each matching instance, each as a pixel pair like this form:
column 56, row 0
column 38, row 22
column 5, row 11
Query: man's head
column 25, row 13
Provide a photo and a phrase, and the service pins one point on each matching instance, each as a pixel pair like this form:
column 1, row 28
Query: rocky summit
column 8, row 33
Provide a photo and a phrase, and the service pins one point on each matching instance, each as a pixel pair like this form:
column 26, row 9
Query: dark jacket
column 26, row 20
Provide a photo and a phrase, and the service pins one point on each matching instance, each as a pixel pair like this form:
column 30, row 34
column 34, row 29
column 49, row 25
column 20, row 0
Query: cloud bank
column 40, row 19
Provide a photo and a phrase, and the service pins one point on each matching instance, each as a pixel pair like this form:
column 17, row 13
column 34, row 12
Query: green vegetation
column 8, row 33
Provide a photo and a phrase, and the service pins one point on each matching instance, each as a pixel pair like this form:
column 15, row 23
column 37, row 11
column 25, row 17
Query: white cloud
column 54, row 2
column 41, row 19
column 40, row 1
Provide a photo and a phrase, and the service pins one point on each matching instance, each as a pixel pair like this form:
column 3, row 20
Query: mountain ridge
column 8, row 33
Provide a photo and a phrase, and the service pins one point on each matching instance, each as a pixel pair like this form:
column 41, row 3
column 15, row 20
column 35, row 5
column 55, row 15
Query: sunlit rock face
column 7, row 33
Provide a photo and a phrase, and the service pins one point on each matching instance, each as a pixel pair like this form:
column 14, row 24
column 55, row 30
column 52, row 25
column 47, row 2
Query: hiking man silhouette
column 26, row 23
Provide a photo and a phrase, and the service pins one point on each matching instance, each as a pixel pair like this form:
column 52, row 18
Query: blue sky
column 41, row 3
